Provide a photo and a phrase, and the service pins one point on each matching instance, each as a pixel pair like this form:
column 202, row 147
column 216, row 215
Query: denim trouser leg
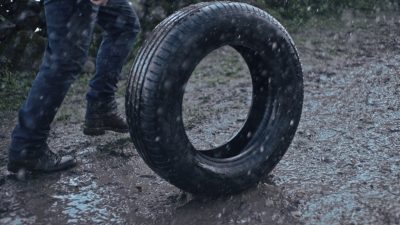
column 121, row 26
column 70, row 24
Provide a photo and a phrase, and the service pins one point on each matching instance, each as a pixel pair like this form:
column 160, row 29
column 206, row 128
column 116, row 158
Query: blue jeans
column 70, row 26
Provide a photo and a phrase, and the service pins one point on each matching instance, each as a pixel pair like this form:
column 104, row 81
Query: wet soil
column 343, row 166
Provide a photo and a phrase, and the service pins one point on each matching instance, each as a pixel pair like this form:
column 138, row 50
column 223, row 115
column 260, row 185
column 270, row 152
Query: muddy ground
column 343, row 166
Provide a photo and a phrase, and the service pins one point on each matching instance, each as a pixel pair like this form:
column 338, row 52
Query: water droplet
column 274, row 45
column 160, row 111
column 23, row 153
column 264, row 73
column 157, row 139
column 249, row 134
column 168, row 85
column 21, row 175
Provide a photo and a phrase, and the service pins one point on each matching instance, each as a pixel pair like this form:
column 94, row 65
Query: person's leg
column 69, row 26
column 121, row 26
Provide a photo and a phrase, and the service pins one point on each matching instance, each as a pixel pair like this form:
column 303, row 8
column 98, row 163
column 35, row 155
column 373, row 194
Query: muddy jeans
column 70, row 25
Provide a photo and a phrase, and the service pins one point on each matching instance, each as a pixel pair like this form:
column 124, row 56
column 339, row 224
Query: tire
column 157, row 85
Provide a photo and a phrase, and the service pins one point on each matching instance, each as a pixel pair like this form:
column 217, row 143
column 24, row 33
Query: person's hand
column 99, row 2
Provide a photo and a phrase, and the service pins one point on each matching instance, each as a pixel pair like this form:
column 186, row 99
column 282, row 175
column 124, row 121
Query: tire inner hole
column 217, row 99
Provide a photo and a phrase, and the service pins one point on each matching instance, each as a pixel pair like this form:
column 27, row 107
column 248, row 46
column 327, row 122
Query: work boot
column 44, row 160
column 102, row 116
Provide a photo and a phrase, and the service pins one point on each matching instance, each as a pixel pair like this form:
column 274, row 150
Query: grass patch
column 14, row 87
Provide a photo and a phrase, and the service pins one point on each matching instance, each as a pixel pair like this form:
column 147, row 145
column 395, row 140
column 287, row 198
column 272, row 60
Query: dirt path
column 344, row 165
column 342, row 168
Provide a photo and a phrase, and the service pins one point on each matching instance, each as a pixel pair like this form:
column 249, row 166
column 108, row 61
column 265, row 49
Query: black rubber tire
column 157, row 85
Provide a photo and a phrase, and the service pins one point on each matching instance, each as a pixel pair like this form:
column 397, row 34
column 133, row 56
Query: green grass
column 14, row 88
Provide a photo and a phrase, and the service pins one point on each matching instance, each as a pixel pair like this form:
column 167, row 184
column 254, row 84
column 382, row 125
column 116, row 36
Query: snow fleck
column 249, row 134
column 21, row 175
column 160, row 111
column 274, row 45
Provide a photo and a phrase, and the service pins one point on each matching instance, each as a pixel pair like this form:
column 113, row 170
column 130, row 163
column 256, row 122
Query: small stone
column 296, row 214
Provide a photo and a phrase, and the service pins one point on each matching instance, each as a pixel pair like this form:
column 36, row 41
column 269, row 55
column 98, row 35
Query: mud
column 343, row 166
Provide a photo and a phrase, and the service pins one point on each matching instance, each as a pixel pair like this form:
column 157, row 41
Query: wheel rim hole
column 217, row 99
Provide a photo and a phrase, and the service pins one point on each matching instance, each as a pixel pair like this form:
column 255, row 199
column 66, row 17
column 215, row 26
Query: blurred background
column 22, row 36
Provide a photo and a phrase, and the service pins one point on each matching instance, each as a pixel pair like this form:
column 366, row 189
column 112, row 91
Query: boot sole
column 16, row 167
column 102, row 131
